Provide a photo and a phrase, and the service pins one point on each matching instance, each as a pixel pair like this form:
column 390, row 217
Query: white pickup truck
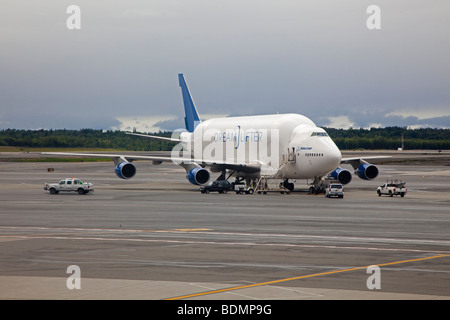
column 393, row 188
column 69, row 185
column 334, row 189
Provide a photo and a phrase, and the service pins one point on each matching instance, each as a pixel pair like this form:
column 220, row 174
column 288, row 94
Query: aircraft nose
column 334, row 155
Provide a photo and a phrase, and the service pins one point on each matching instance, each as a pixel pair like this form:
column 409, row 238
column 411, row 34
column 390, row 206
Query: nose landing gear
column 318, row 186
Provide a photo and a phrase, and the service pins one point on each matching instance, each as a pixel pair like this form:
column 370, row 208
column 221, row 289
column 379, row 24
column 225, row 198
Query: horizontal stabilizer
column 153, row 137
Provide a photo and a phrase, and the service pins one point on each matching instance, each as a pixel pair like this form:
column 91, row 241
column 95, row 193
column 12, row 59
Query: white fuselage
column 287, row 146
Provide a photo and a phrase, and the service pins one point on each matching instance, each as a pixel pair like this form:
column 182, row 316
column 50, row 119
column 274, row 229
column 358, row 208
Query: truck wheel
column 390, row 193
column 53, row 191
column 379, row 193
column 250, row 191
column 81, row 191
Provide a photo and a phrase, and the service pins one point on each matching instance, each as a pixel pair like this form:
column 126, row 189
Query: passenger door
column 69, row 185
column 62, row 185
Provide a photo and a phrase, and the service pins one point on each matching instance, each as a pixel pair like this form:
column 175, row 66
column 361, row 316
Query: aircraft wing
column 113, row 156
column 355, row 162
column 215, row 165
column 348, row 160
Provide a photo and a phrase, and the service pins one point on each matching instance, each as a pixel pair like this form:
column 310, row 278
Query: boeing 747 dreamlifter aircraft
column 277, row 146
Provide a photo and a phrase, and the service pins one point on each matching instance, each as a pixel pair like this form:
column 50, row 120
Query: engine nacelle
column 198, row 176
column 125, row 170
column 367, row 171
column 341, row 175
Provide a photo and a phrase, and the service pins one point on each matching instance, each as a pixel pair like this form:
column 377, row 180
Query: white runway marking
column 219, row 238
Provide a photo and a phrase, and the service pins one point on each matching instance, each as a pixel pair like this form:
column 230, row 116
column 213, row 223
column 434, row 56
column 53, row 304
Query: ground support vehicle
column 393, row 188
column 334, row 190
column 221, row 186
column 241, row 187
column 69, row 185
column 263, row 185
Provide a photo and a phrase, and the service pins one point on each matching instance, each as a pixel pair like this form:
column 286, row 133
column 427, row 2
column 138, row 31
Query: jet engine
column 341, row 175
column 125, row 170
column 198, row 176
column 367, row 171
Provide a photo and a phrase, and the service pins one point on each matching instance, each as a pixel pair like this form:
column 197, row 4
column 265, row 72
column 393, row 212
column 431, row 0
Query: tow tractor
column 241, row 187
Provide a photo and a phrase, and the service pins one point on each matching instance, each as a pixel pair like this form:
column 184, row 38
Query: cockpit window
column 319, row 134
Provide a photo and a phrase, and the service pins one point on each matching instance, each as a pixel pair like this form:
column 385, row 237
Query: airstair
column 263, row 184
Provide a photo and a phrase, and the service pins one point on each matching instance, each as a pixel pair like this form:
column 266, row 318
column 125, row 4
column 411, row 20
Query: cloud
column 143, row 123
column 177, row 122
column 425, row 113
column 436, row 122
column 339, row 122
column 395, row 120
column 315, row 58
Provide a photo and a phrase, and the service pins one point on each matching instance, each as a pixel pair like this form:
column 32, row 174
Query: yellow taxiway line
column 300, row 277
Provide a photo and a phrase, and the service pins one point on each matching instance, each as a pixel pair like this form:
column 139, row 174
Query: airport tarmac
column 157, row 237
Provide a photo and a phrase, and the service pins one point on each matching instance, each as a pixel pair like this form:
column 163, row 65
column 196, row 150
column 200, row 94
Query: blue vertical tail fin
column 191, row 119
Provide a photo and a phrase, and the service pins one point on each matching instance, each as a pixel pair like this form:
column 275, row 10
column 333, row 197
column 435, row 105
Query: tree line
column 391, row 138
column 345, row 139
column 84, row 138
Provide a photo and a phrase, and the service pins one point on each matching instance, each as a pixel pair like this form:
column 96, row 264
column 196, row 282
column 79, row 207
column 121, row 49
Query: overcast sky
column 246, row 57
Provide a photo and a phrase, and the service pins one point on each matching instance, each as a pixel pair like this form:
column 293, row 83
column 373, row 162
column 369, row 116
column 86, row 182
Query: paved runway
column 156, row 237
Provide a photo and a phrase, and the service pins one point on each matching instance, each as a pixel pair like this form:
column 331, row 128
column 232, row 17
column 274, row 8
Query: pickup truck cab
column 69, row 185
column 392, row 188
